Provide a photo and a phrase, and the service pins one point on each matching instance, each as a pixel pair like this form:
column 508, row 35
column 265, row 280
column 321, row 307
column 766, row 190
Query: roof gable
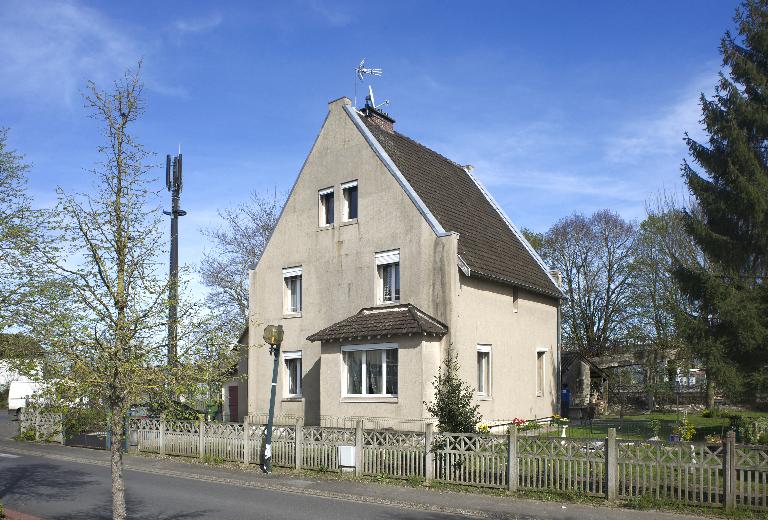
column 489, row 244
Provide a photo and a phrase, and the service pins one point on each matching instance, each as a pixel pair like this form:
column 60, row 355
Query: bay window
column 370, row 370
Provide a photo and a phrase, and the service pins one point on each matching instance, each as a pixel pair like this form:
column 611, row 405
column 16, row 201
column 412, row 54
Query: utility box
column 347, row 458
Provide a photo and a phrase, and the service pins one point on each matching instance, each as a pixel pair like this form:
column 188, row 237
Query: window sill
column 385, row 304
column 483, row 397
column 368, row 399
column 289, row 315
column 293, row 399
column 348, row 222
column 325, row 228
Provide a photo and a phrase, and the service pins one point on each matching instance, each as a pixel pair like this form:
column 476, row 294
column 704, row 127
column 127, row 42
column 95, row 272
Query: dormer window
column 349, row 194
column 388, row 276
column 326, row 207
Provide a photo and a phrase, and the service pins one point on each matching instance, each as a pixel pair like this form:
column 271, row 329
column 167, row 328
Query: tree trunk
column 118, row 485
column 710, row 394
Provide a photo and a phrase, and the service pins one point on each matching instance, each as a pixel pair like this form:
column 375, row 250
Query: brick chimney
column 379, row 118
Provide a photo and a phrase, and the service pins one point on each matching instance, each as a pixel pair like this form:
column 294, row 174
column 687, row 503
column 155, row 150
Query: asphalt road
column 55, row 489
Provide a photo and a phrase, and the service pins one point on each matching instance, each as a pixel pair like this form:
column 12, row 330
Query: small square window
column 292, row 292
column 349, row 192
column 326, row 206
column 484, row 370
column 292, row 361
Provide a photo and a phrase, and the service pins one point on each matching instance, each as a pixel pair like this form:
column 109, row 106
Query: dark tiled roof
column 486, row 243
column 375, row 322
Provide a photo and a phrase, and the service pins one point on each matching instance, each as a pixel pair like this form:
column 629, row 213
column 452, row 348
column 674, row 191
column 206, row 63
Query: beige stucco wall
column 338, row 264
column 485, row 315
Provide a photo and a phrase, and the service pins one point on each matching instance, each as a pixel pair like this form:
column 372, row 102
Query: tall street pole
column 273, row 335
column 174, row 184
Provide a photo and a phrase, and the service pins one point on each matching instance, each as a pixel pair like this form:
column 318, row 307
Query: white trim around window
column 379, row 360
column 350, row 184
column 541, row 371
column 484, row 371
column 388, row 257
column 292, row 271
column 293, row 372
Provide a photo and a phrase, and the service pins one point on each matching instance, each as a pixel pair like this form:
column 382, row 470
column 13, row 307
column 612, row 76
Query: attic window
column 349, row 193
column 326, row 207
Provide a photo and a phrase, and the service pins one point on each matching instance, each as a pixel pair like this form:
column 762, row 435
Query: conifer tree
column 730, row 328
column 454, row 406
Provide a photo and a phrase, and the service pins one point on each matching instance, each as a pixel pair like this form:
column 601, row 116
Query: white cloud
column 332, row 15
column 48, row 49
column 200, row 24
column 662, row 131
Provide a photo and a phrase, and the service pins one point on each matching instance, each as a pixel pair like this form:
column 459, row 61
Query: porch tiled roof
column 378, row 322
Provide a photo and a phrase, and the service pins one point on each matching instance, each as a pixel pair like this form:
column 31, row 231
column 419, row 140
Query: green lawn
column 639, row 426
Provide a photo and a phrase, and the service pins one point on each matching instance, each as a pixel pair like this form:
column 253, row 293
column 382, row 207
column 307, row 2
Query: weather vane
column 361, row 71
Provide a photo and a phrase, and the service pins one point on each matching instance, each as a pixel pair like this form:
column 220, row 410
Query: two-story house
column 385, row 256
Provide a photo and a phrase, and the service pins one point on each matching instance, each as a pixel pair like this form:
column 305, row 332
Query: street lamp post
column 273, row 335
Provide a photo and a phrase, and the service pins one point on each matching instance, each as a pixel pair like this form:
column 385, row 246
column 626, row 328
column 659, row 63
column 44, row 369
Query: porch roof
column 378, row 322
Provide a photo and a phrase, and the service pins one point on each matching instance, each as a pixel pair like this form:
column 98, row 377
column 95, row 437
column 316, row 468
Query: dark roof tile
column 396, row 320
column 486, row 243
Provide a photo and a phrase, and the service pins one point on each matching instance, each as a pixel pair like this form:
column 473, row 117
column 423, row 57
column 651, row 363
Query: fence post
column 161, row 447
column 512, row 468
column 299, row 442
column 62, row 434
column 429, row 457
column 246, row 441
column 729, row 469
column 37, row 425
column 201, row 440
column 359, row 448
column 127, row 432
column 611, row 465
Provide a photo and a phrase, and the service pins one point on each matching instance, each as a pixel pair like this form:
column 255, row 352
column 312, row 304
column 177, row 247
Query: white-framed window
column 292, row 362
column 325, row 198
column 370, row 370
column 484, row 370
column 292, row 290
column 388, row 276
column 349, row 197
column 541, row 366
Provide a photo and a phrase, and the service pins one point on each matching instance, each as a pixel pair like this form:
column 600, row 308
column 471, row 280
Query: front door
column 233, row 403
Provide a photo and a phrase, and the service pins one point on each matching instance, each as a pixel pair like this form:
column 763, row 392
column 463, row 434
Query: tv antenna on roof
column 360, row 71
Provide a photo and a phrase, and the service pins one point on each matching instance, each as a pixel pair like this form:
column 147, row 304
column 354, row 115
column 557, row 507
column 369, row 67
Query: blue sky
column 560, row 106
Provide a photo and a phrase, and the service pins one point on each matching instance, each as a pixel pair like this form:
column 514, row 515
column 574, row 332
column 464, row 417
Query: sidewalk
column 468, row 504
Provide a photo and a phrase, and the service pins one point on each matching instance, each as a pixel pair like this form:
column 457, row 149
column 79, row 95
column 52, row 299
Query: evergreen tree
column 730, row 328
column 453, row 405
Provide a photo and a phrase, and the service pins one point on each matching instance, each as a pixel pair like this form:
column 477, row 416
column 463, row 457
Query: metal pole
column 275, row 350
column 173, row 181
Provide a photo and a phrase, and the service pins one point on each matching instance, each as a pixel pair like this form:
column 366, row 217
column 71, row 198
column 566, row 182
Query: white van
column 18, row 393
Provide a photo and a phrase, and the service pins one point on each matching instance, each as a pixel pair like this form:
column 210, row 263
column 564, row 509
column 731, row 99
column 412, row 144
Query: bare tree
column 19, row 238
column 237, row 244
column 595, row 255
column 103, row 328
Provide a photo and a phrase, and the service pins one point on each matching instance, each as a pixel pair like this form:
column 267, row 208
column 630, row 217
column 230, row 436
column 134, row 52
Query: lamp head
column 273, row 334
